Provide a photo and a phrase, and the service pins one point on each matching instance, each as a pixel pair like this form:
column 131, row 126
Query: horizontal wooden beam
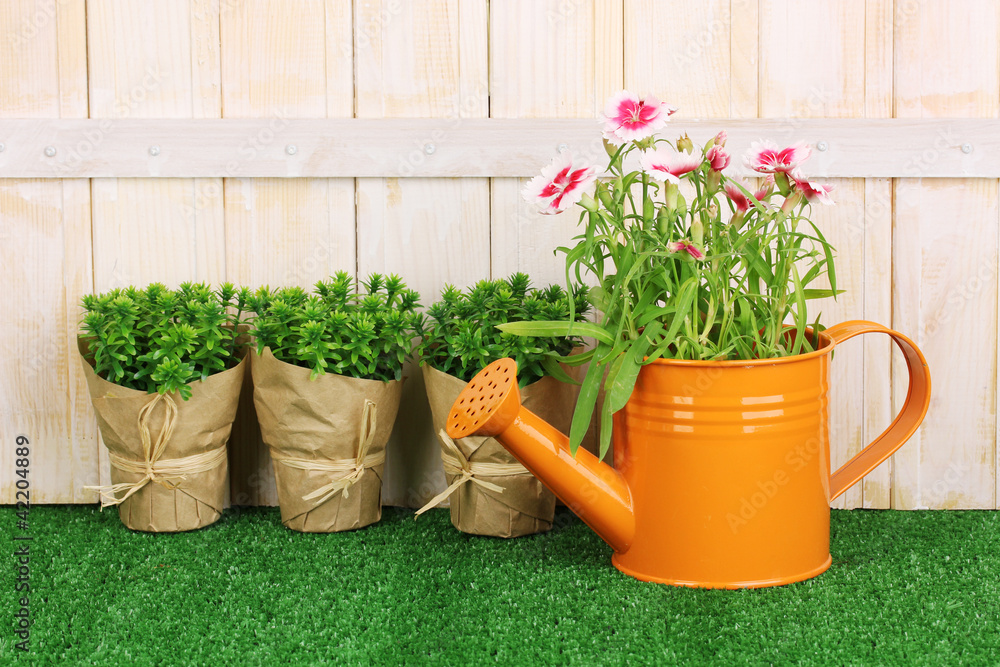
column 461, row 147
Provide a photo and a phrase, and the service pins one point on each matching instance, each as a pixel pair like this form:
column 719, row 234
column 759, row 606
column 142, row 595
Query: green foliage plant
column 688, row 263
column 461, row 334
column 161, row 340
column 339, row 329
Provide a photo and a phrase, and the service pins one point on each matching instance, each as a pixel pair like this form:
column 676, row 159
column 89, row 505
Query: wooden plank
column 945, row 283
column 150, row 60
column 45, row 259
column 289, row 231
column 691, row 69
column 582, row 52
column 875, row 233
column 472, row 148
column 744, row 59
column 426, row 58
column 171, row 72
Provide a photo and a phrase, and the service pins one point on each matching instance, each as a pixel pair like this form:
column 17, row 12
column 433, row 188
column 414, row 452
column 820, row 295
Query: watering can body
column 722, row 469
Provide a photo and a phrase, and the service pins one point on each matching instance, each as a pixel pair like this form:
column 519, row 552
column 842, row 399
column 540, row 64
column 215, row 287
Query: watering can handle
column 918, row 398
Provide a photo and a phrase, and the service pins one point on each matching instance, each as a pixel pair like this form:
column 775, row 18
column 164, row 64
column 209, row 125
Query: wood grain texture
column 692, row 68
column 580, row 44
column 45, row 260
column 876, row 234
column 473, row 148
column 945, row 282
column 426, row 58
column 282, row 232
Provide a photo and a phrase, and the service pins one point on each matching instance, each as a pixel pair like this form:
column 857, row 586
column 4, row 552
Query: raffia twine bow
column 347, row 472
column 169, row 473
column 455, row 463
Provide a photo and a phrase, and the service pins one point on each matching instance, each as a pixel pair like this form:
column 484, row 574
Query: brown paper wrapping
column 525, row 506
column 201, row 427
column 322, row 420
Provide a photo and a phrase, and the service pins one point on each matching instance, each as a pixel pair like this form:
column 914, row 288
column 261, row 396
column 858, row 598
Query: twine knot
column 347, row 472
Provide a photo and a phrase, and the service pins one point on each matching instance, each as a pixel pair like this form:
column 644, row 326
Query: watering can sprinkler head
column 490, row 405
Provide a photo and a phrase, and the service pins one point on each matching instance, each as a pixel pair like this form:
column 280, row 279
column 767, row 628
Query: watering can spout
column 490, row 405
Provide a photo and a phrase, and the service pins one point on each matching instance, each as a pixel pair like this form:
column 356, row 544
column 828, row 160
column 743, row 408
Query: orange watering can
column 722, row 469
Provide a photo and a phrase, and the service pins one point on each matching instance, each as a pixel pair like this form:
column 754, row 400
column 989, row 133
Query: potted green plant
column 164, row 370
column 715, row 374
column 327, row 373
column 490, row 492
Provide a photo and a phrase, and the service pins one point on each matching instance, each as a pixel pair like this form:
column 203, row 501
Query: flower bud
column 791, row 201
column 684, row 144
column 619, row 190
column 720, row 138
column 781, row 181
column 644, row 144
column 604, row 196
column 663, row 220
column 714, row 181
column 697, row 232
column 718, row 158
column 671, row 196
column 587, row 202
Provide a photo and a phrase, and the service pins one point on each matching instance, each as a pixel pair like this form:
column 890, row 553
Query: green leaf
column 620, row 390
column 685, row 297
column 606, row 419
column 585, row 406
column 576, row 359
column 820, row 293
column 831, row 270
column 654, row 313
column 598, row 298
column 801, row 321
column 555, row 370
column 557, row 328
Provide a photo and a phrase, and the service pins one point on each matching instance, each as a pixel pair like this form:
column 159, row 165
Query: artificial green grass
column 905, row 588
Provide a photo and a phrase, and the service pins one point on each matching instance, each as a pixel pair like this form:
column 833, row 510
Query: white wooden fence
column 277, row 141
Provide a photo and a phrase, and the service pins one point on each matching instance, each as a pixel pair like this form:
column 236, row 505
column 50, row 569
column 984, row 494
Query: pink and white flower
column 811, row 190
column 613, row 138
column 766, row 158
column 667, row 166
column 718, row 158
column 631, row 118
column 560, row 185
column 740, row 200
column 736, row 196
column 686, row 246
